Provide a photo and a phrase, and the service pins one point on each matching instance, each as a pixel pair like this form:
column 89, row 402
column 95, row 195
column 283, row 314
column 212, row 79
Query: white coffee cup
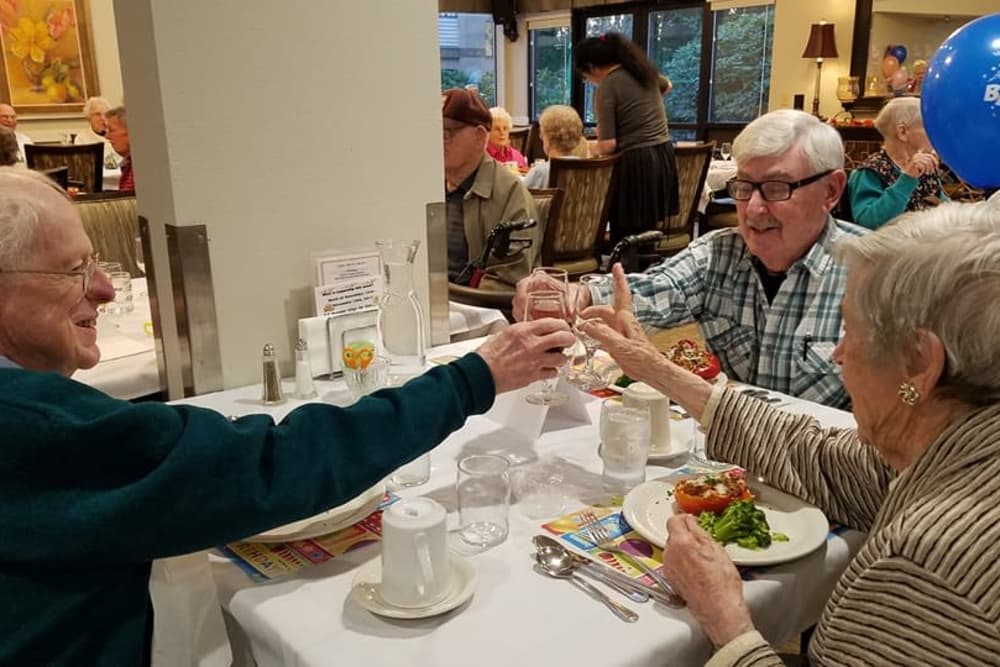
column 415, row 568
column 640, row 394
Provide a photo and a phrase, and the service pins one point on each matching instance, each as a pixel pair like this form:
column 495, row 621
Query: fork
column 594, row 532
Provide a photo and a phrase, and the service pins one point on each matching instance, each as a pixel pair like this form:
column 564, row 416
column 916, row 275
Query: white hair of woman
column 501, row 114
column 938, row 271
column 778, row 131
column 95, row 105
column 899, row 111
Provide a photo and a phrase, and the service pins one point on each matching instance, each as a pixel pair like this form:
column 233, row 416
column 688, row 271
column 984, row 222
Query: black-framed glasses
column 86, row 272
column 741, row 189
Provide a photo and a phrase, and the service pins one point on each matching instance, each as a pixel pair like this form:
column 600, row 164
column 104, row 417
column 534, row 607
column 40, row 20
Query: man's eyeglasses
column 86, row 272
column 741, row 190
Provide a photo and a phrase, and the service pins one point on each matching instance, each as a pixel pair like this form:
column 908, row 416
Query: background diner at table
column 63, row 602
column 562, row 136
column 919, row 362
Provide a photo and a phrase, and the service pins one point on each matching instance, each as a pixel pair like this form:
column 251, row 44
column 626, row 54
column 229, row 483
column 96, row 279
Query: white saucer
column 364, row 590
column 680, row 440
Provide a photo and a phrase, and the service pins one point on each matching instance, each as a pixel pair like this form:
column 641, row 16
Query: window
column 741, row 63
column 719, row 61
column 468, row 53
column 674, row 46
column 550, row 54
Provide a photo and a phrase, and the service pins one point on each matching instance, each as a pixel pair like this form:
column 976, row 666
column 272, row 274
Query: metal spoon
column 561, row 566
column 582, row 565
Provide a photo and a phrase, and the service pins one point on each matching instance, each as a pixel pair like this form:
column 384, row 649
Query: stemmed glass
column 539, row 305
column 587, row 378
column 726, row 150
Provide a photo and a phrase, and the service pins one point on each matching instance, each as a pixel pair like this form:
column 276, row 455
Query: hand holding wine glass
column 541, row 305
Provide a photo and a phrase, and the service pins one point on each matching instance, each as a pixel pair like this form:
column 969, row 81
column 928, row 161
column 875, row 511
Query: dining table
column 516, row 615
column 719, row 171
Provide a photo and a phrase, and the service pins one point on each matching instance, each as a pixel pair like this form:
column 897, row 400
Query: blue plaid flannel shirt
column 786, row 345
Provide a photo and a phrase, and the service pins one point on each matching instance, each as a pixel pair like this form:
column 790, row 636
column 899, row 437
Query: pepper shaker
column 272, row 378
column 304, row 388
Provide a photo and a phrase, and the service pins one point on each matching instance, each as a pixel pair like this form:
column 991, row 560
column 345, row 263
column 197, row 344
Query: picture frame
column 47, row 56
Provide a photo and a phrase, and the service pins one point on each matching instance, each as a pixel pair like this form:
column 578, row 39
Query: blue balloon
column 960, row 101
column 898, row 51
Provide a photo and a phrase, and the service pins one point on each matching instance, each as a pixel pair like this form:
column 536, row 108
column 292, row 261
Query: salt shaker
column 304, row 388
column 272, row 378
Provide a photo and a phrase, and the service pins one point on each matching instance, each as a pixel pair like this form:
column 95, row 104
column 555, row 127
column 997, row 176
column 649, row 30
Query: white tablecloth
column 719, row 171
column 112, row 177
column 465, row 321
column 517, row 616
column 128, row 366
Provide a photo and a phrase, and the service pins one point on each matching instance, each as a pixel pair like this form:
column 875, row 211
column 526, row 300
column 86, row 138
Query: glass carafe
column 400, row 317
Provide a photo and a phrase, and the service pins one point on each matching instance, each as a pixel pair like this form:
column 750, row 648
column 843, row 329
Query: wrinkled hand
column 619, row 333
column 700, row 571
column 526, row 352
column 921, row 163
column 577, row 296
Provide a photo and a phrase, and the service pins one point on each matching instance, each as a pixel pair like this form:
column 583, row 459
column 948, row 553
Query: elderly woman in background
column 562, row 136
column 498, row 146
column 9, row 150
column 920, row 475
column 903, row 176
column 94, row 110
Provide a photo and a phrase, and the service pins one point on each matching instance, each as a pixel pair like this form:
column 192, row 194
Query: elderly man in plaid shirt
column 766, row 295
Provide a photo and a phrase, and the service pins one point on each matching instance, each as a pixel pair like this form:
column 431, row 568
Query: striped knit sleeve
column 907, row 615
column 829, row 468
column 747, row 650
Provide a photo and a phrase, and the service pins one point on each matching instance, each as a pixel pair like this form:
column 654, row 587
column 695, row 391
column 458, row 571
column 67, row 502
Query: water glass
column 122, row 282
column 625, row 435
column 483, row 499
column 414, row 473
column 363, row 381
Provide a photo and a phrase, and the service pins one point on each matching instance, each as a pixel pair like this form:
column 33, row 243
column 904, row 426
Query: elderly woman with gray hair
column 903, row 175
column 921, row 474
column 561, row 130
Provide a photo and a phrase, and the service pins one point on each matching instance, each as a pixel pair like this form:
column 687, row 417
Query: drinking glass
column 483, row 487
column 625, row 434
column 555, row 280
column 726, row 150
column 122, row 282
column 540, row 305
column 587, row 378
column 363, row 381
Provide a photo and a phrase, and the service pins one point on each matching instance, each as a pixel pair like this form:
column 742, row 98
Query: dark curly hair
column 615, row 48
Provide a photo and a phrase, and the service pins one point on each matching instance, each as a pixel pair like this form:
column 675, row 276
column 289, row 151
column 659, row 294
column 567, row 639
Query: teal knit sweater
column 92, row 489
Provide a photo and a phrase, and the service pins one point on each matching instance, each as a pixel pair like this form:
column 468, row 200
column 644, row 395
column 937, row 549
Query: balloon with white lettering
column 960, row 101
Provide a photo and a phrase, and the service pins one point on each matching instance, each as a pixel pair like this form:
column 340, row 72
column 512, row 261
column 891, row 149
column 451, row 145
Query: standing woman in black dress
column 631, row 120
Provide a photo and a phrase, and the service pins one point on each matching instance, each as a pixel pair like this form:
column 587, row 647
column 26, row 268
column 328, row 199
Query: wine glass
column 587, row 378
column 726, row 150
column 540, row 305
column 548, row 279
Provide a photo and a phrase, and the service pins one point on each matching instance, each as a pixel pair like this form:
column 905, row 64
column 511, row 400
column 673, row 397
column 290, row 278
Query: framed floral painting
column 48, row 59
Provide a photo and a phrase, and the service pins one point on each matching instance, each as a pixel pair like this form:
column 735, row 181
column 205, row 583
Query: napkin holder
column 324, row 336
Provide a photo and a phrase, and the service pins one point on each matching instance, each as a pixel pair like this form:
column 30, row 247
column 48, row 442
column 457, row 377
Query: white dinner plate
column 326, row 522
column 648, row 506
column 364, row 590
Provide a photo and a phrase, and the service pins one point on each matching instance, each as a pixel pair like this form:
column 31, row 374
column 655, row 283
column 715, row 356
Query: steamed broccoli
column 742, row 522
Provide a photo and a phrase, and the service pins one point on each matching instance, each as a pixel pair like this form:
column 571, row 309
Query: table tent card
column 511, row 410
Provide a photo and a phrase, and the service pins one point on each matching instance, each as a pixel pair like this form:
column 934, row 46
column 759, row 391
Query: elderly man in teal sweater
column 92, row 489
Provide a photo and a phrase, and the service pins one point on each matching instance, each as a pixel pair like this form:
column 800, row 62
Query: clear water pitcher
column 400, row 317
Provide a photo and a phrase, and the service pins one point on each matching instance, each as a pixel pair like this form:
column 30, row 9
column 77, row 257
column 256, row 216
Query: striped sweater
column 924, row 589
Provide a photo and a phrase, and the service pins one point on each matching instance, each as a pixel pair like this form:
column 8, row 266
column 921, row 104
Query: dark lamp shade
column 821, row 42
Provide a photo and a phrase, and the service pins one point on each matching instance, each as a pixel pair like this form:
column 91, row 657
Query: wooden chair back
column 85, row 162
column 692, row 170
column 519, row 138
column 588, row 186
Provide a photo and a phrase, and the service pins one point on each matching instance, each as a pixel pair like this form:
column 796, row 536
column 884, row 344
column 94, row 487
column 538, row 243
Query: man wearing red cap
column 481, row 193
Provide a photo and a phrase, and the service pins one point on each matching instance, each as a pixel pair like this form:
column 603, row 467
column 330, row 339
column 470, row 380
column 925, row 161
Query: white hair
column 936, row 270
column 499, row 113
column 899, row 111
column 89, row 107
column 777, row 132
column 20, row 212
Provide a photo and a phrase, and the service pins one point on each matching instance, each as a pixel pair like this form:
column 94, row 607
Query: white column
column 285, row 128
